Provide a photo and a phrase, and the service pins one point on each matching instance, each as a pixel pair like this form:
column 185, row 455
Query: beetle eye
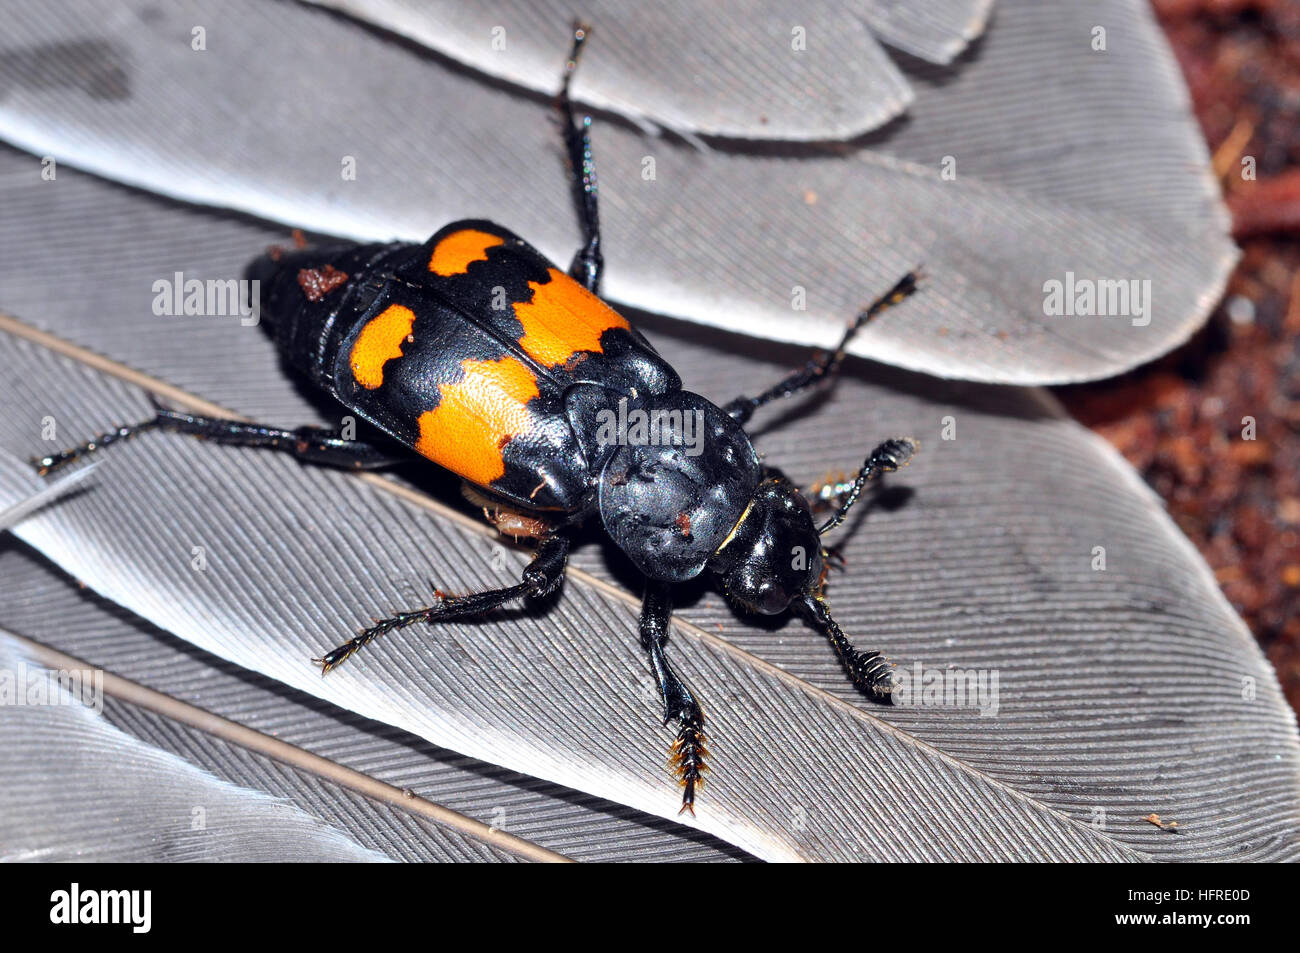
column 773, row 599
column 763, row 596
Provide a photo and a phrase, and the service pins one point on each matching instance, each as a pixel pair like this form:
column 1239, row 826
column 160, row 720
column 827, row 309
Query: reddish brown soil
column 1179, row 420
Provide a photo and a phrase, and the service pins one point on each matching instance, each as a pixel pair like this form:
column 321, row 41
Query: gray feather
column 990, row 572
column 1124, row 691
column 42, row 604
column 78, row 788
column 1052, row 177
column 934, row 30
column 42, row 496
column 695, row 67
column 558, row 696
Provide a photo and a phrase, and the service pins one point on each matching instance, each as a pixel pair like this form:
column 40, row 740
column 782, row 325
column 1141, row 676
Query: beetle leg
column 870, row 672
column 588, row 261
column 824, row 366
column 309, row 444
column 688, row 750
column 886, row 458
column 541, row 577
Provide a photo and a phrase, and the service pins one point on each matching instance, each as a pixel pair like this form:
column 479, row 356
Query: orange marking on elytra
column 562, row 319
column 454, row 254
column 477, row 417
column 379, row 342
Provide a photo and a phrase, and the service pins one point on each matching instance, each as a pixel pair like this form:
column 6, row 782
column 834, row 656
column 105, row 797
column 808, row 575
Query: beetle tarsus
column 688, row 751
column 888, row 457
column 309, row 444
column 335, row 657
column 871, row 672
column 688, row 756
column 541, row 577
column 46, row 465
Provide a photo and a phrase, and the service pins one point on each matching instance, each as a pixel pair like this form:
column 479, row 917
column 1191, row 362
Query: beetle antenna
column 903, row 289
column 871, row 672
column 588, row 262
column 886, row 458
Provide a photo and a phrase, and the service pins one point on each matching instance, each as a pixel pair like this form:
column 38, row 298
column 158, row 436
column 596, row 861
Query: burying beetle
column 510, row 393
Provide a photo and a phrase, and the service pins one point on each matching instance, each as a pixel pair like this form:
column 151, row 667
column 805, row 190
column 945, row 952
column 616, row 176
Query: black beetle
column 477, row 353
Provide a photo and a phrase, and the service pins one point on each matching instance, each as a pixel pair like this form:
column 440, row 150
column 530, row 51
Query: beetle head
column 773, row 556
